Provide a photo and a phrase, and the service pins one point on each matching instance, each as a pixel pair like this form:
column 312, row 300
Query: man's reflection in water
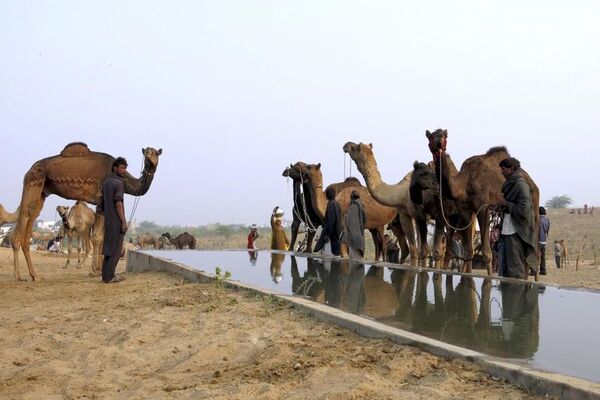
column 311, row 283
column 520, row 318
column 344, row 287
column 276, row 263
column 253, row 256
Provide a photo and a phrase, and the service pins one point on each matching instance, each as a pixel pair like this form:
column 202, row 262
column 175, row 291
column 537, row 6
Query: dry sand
column 153, row 336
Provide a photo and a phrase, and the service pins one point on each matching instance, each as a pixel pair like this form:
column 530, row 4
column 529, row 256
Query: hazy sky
column 233, row 91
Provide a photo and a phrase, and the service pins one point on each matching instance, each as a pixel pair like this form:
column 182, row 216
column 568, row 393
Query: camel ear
column 416, row 165
column 319, row 166
column 143, row 150
column 428, row 134
column 445, row 132
column 159, row 152
column 371, row 145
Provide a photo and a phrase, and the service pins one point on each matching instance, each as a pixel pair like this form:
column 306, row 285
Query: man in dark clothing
column 332, row 229
column 115, row 224
column 355, row 226
column 519, row 236
column 544, row 230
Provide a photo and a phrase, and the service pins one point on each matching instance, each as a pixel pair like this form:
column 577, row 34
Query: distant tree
column 147, row 226
column 224, row 230
column 559, row 202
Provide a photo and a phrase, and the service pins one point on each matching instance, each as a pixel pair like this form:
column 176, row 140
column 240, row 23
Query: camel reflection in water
column 430, row 304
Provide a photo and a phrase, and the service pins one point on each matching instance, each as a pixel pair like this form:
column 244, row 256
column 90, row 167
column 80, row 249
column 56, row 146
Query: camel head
column 437, row 141
column 423, row 179
column 298, row 171
column 151, row 159
column 166, row 235
column 63, row 213
column 315, row 175
column 361, row 153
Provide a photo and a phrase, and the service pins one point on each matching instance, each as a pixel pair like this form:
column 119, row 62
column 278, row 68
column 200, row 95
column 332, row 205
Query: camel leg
column 483, row 219
column 380, row 232
column 421, row 223
column 69, row 248
column 437, row 243
column 31, row 207
column 295, row 227
column 79, row 245
column 309, row 239
column 407, row 227
column 377, row 235
column 97, row 240
column 467, row 240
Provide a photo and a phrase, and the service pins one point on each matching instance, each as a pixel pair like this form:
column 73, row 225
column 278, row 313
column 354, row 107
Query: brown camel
column 377, row 215
column 425, row 191
column 76, row 174
column 78, row 222
column 148, row 239
column 396, row 196
column 476, row 187
column 181, row 241
column 8, row 218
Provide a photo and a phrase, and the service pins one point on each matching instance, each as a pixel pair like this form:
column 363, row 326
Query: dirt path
column 69, row 336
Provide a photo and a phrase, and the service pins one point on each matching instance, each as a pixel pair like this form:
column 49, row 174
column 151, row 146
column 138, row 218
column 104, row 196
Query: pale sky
column 233, row 91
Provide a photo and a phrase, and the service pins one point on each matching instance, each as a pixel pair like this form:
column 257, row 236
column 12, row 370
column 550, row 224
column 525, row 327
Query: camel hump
column 75, row 149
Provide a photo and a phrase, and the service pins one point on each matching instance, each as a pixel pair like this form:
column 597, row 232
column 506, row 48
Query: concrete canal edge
column 539, row 382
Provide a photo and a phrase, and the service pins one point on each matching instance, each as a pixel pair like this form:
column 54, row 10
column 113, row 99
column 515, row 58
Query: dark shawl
column 112, row 192
column 355, row 225
column 517, row 194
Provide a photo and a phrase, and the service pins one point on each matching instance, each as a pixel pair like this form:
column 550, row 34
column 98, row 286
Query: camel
column 148, row 239
column 476, row 187
column 8, row 218
column 425, row 191
column 302, row 210
column 303, row 207
column 377, row 215
column 182, row 240
column 393, row 196
column 77, row 173
column 78, row 222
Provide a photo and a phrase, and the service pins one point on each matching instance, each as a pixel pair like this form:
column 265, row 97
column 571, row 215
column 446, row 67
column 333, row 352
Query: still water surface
column 549, row 328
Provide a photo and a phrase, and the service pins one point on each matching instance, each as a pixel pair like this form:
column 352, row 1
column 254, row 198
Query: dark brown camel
column 476, row 187
column 181, row 241
column 425, row 191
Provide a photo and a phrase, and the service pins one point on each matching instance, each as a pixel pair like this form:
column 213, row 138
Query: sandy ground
column 153, row 336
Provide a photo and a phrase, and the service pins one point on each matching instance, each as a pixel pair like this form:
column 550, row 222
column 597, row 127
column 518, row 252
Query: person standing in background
column 279, row 239
column 544, row 230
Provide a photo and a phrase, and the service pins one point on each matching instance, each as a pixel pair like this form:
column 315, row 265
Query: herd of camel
column 454, row 198
column 438, row 190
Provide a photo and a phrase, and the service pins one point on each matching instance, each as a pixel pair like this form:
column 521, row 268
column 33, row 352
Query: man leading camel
column 518, row 254
column 115, row 224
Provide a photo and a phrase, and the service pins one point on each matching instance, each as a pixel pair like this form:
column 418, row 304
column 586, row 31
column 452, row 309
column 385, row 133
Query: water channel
column 549, row 328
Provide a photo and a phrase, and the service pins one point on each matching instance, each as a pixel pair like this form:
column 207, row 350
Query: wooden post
column 579, row 253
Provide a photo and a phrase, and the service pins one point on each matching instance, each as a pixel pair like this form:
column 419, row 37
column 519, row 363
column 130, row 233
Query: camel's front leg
column 68, row 236
column 467, row 240
column 437, row 243
column 295, row 227
column 407, row 227
column 79, row 245
column 421, row 223
column 483, row 219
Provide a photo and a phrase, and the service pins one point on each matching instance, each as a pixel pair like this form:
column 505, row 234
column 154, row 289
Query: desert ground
column 154, row 336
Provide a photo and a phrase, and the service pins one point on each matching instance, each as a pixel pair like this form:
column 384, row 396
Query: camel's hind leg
column 30, row 209
column 86, row 243
column 483, row 219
